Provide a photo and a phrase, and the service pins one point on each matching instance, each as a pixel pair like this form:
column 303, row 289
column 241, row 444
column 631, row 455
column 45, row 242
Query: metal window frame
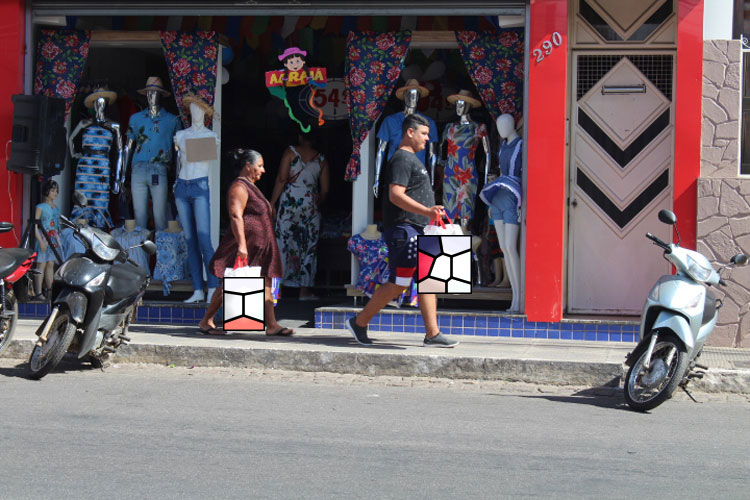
column 744, row 163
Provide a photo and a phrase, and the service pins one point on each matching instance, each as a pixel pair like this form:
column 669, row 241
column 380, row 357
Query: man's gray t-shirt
column 405, row 169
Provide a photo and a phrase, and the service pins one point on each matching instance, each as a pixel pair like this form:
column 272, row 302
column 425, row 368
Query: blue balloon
column 227, row 55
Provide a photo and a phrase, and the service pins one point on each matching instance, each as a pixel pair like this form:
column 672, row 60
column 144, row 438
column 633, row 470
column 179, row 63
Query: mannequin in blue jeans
column 191, row 193
column 150, row 135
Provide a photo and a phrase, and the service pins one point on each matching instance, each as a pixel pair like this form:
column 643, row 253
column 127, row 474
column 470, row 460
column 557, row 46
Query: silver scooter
column 679, row 315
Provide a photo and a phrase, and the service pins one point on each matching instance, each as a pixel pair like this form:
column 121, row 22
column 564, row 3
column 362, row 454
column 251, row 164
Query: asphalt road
column 157, row 432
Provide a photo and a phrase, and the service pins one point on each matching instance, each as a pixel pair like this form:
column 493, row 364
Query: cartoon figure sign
column 296, row 74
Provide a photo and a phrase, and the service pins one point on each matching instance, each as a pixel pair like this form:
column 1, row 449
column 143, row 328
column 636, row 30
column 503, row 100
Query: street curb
column 376, row 364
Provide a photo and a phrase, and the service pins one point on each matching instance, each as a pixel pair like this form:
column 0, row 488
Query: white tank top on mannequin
column 193, row 170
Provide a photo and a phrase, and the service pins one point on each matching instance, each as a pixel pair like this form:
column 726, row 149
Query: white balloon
column 434, row 71
column 224, row 75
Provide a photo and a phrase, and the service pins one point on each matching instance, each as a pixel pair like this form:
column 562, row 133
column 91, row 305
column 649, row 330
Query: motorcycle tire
column 8, row 325
column 642, row 400
column 44, row 359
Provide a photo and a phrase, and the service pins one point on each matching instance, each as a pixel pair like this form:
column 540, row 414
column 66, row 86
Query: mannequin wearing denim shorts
column 150, row 132
column 191, row 192
column 503, row 195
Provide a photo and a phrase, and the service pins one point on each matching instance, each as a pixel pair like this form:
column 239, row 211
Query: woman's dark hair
column 241, row 156
column 48, row 186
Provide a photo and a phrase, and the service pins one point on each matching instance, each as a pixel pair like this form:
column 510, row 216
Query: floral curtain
column 494, row 61
column 60, row 58
column 191, row 60
column 373, row 64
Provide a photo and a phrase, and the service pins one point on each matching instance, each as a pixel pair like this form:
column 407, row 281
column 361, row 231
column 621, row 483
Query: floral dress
column 171, row 259
column 298, row 222
column 93, row 176
column 460, row 183
column 372, row 256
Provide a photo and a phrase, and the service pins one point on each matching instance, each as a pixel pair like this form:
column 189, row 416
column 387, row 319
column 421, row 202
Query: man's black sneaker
column 359, row 332
column 439, row 340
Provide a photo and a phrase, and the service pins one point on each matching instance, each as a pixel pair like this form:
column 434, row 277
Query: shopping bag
column 241, row 269
column 440, row 228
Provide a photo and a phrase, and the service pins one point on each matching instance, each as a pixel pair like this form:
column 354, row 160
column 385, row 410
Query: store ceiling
column 261, row 7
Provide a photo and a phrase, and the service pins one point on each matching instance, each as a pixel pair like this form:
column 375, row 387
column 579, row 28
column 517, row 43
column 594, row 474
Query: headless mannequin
column 130, row 225
column 173, row 226
column 462, row 110
column 83, row 222
column 507, row 234
column 411, row 99
column 99, row 106
column 197, row 126
column 371, row 232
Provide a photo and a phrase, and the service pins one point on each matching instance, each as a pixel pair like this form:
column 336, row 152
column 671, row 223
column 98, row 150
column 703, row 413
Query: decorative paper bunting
column 318, row 22
column 290, row 24
column 379, row 24
column 174, row 23
column 204, row 23
column 303, row 22
column 333, row 27
column 232, row 28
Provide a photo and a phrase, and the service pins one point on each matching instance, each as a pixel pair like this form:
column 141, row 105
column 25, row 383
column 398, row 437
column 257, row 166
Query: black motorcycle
column 94, row 297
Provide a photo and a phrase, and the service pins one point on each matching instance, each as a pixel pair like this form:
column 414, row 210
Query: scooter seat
column 11, row 259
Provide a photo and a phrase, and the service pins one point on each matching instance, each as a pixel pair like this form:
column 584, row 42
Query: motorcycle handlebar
column 656, row 240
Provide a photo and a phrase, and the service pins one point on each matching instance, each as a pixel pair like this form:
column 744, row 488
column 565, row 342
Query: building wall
column 723, row 196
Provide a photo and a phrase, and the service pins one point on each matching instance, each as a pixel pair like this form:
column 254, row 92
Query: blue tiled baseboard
column 484, row 325
column 150, row 312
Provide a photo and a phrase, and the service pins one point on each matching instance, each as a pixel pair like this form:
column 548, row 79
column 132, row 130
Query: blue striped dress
column 93, row 177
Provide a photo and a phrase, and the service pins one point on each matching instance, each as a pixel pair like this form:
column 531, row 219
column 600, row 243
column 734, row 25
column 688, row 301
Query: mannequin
column 48, row 214
column 150, row 135
column 461, row 140
column 93, row 174
column 130, row 236
column 173, row 227
column 130, row 225
column 171, row 255
column 371, row 232
column 504, row 197
column 83, row 222
column 389, row 135
column 191, row 191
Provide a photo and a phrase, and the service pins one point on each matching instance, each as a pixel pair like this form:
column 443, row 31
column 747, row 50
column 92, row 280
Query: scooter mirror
column 80, row 199
column 667, row 217
column 5, row 227
column 149, row 247
column 739, row 260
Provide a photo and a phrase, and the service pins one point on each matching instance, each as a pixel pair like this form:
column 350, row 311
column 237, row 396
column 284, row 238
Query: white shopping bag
column 440, row 228
column 242, row 270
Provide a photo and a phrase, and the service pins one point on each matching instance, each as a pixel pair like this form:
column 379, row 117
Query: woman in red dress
column 250, row 240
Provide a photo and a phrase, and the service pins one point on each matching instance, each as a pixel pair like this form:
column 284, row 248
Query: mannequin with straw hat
column 150, row 145
column 93, row 172
column 389, row 134
column 461, row 140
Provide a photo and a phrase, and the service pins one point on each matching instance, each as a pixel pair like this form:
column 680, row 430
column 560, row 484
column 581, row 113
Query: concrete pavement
column 537, row 361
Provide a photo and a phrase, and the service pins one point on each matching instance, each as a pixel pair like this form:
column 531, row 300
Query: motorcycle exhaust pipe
column 45, row 332
column 650, row 351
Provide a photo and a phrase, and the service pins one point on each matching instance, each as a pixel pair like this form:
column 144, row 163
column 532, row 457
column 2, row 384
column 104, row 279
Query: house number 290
column 547, row 45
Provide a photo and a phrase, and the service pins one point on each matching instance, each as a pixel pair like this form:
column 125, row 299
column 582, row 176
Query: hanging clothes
column 128, row 239
column 171, row 259
column 70, row 244
column 93, row 177
column 460, row 178
column 372, row 256
column 298, row 222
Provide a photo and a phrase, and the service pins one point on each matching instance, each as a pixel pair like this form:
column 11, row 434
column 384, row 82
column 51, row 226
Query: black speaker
column 38, row 144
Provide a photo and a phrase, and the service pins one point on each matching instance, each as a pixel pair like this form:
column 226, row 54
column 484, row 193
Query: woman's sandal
column 282, row 332
column 212, row 331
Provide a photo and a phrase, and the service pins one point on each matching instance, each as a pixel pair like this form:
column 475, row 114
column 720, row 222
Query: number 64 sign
column 547, row 47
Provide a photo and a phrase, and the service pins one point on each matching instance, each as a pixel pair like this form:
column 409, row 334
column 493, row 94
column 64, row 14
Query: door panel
column 621, row 175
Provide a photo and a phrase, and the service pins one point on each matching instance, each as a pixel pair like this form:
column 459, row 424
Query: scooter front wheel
column 647, row 388
column 45, row 358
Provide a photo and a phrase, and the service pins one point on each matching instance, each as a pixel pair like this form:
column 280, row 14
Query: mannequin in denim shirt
column 150, row 134
column 191, row 191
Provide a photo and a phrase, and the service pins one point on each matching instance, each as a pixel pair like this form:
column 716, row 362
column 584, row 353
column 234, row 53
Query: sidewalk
column 536, row 361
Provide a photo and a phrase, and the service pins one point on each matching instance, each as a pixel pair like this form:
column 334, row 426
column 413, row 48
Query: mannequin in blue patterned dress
column 48, row 213
column 93, row 172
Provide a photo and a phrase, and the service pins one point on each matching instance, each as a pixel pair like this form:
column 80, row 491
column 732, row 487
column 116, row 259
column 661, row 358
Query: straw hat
column 412, row 84
column 109, row 95
column 154, row 83
column 190, row 98
column 464, row 95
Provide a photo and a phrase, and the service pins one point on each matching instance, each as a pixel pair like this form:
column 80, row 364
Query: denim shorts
column 402, row 253
column 504, row 206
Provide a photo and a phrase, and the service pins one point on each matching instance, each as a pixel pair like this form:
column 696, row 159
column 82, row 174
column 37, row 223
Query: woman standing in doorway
column 301, row 187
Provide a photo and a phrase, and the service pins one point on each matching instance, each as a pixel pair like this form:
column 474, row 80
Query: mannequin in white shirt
column 193, row 200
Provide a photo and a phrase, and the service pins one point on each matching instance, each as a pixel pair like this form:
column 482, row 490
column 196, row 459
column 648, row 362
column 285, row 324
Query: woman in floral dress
column 301, row 187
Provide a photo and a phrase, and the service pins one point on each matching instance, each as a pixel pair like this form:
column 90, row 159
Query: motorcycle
column 94, row 297
column 14, row 264
column 678, row 317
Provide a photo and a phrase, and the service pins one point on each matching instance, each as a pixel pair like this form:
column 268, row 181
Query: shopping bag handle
column 438, row 222
column 240, row 262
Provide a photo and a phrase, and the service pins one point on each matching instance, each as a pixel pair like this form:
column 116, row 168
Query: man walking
column 407, row 209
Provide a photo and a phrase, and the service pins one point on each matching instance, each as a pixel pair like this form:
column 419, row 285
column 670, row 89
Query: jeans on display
column 194, row 209
column 150, row 177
